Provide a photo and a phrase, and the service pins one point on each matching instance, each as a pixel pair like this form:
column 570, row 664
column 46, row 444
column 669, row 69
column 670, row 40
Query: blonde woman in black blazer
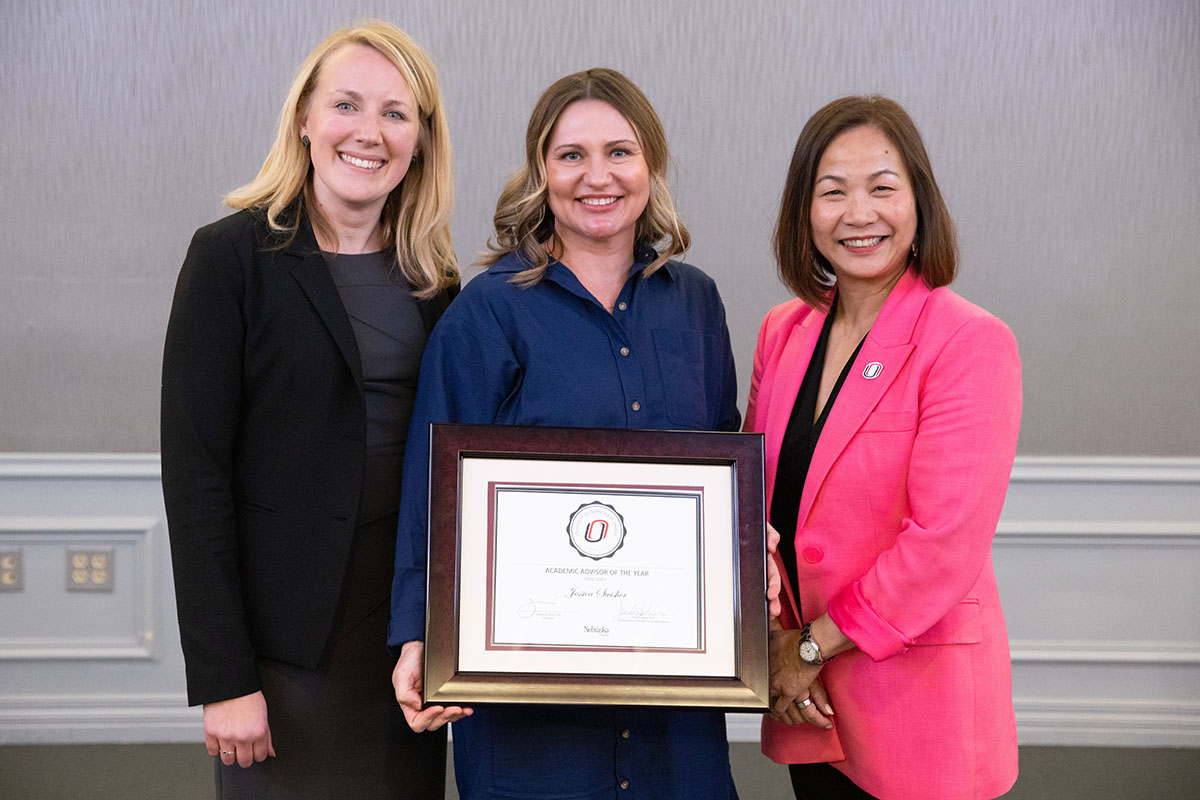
column 288, row 375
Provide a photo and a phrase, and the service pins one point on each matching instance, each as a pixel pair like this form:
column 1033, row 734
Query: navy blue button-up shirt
column 550, row 354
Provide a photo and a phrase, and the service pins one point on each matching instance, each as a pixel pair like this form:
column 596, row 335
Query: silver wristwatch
column 810, row 652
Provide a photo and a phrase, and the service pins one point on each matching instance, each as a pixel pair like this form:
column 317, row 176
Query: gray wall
column 1066, row 139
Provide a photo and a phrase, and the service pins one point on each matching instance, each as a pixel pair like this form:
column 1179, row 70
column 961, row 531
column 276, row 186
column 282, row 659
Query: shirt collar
column 642, row 255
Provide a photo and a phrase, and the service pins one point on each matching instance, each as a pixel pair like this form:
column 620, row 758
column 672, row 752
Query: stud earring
column 304, row 140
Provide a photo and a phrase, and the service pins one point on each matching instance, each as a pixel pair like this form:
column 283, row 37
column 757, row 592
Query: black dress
column 809, row 781
column 337, row 729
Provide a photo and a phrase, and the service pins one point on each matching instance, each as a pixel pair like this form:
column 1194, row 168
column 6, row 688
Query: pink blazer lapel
column 879, row 363
column 797, row 350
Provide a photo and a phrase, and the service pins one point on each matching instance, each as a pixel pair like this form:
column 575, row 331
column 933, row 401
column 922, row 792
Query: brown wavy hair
column 523, row 220
column 801, row 267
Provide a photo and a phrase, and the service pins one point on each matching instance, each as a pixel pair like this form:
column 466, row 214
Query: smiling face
column 598, row 182
column 363, row 123
column 864, row 213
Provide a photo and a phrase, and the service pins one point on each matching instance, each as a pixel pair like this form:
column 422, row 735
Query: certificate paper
column 643, row 608
column 623, row 573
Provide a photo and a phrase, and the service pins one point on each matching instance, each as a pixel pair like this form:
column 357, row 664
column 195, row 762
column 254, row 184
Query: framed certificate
column 597, row 566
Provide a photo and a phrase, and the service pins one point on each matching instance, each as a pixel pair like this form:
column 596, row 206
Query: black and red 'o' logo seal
column 596, row 530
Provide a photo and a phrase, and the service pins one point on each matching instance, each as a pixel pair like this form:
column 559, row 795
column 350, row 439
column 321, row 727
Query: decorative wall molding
column 1105, row 469
column 65, row 466
column 1026, row 469
column 1096, row 533
column 98, row 718
column 1097, row 651
column 743, row 727
column 1111, row 723
column 1082, row 544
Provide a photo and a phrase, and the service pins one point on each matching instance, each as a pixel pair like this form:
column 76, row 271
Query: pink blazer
column 894, row 540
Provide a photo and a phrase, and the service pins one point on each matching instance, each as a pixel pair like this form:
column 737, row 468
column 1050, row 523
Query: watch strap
column 815, row 659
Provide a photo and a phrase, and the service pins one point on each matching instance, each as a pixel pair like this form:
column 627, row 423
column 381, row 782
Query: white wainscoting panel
column 89, row 666
column 1098, row 561
column 1099, row 567
column 116, row 624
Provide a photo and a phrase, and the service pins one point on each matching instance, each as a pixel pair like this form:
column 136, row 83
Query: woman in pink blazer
column 890, row 408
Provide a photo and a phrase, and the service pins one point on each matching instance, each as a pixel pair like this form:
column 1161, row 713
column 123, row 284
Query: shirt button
column 625, row 733
column 624, row 351
column 636, row 406
column 813, row 555
column 624, row 784
column 621, row 306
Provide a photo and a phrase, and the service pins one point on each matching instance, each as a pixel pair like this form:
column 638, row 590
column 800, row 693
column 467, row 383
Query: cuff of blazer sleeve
column 852, row 612
column 213, row 686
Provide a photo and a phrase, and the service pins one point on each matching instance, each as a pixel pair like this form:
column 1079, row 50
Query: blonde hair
column 524, row 222
column 416, row 215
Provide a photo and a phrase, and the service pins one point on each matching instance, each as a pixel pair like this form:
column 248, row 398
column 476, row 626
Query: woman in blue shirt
column 578, row 321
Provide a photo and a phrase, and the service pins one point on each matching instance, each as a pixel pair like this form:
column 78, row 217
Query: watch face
column 809, row 652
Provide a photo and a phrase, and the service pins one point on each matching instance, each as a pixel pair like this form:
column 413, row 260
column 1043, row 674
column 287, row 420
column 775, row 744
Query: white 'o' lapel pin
column 872, row 370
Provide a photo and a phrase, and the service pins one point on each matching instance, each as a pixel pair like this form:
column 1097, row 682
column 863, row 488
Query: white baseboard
column 1075, row 723
column 1112, row 723
column 98, row 719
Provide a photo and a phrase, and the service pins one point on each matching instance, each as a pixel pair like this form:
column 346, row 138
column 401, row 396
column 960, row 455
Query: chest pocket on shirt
column 682, row 357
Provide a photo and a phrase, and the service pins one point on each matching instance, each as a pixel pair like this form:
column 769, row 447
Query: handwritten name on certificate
column 606, row 568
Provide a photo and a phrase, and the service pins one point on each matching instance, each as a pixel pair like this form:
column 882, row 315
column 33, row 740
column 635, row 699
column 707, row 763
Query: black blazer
column 263, row 445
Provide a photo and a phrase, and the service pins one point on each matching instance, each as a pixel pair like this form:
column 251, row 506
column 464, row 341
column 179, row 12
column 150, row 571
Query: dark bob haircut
column 804, row 270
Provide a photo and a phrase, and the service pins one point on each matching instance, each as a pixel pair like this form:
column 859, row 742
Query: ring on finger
column 805, row 703
column 226, row 752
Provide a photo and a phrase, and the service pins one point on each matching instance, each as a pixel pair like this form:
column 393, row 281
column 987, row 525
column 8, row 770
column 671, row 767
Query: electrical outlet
column 89, row 570
column 12, row 571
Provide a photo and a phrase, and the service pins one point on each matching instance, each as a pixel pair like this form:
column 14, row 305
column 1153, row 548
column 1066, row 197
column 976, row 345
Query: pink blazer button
column 813, row 555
